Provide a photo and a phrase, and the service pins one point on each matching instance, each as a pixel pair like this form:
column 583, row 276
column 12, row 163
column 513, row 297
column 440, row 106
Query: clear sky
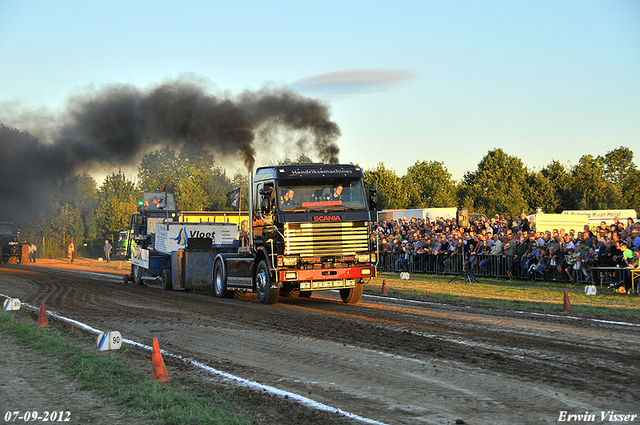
column 406, row 81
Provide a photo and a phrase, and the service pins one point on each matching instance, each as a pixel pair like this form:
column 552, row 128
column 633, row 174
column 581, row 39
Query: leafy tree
column 117, row 201
column 561, row 195
column 195, row 165
column 618, row 165
column 590, row 188
column 433, row 184
column 631, row 190
column 540, row 193
column 157, row 169
column 497, row 186
column 624, row 176
column 192, row 177
column 391, row 192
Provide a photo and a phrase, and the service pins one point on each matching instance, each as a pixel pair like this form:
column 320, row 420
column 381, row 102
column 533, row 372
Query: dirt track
column 392, row 362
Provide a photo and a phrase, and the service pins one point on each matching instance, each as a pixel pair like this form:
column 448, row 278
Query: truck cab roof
column 319, row 171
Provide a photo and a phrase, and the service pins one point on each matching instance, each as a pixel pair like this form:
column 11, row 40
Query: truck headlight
column 288, row 261
column 365, row 272
column 363, row 258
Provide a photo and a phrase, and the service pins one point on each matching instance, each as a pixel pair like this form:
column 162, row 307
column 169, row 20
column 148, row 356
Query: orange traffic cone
column 384, row 287
column 119, row 265
column 159, row 371
column 567, row 305
column 42, row 319
column 91, row 263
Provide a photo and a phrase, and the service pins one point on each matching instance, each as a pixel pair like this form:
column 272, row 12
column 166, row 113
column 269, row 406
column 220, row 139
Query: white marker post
column 12, row 304
column 111, row 340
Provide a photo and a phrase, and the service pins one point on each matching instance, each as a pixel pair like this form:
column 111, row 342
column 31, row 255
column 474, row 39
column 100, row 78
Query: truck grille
column 326, row 239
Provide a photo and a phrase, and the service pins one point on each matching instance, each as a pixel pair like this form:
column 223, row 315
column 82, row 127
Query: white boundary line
column 241, row 381
column 610, row 322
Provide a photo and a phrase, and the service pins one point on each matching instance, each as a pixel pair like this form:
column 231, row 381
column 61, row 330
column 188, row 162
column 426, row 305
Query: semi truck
column 309, row 229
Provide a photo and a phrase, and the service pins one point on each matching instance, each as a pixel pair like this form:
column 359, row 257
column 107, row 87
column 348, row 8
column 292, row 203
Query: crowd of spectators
column 509, row 247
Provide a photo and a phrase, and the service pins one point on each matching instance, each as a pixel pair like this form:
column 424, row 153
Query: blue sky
column 406, row 81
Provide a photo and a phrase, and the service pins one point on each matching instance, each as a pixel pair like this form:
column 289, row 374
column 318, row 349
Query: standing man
column 32, row 252
column 107, row 250
column 71, row 250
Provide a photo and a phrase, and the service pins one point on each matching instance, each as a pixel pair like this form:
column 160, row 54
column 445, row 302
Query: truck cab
column 310, row 228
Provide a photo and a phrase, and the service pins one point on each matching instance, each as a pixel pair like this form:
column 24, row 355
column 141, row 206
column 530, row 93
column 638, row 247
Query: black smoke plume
column 114, row 126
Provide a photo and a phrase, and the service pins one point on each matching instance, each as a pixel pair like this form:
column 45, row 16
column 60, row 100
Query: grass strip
column 540, row 297
column 148, row 399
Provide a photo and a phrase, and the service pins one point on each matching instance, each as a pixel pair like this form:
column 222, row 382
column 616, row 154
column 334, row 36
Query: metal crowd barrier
column 497, row 266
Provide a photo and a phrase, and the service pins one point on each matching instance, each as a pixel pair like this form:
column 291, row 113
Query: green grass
column 137, row 394
column 542, row 297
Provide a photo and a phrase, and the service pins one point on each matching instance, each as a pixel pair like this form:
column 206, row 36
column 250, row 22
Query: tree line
column 88, row 213
column 503, row 184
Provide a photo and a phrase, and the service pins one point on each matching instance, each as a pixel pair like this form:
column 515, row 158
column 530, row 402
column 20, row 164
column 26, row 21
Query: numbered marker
column 590, row 290
column 404, row 275
column 111, row 340
column 12, row 304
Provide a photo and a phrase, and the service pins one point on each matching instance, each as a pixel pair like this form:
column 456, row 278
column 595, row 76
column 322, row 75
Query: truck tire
column 220, row 282
column 26, row 252
column 12, row 260
column 305, row 294
column 166, row 279
column 137, row 275
column 266, row 294
column 352, row 295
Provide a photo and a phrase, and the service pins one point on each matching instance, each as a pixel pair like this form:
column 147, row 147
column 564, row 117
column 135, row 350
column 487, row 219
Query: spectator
column 494, row 251
column 524, row 223
column 70, row 251
column 32, row 252
column 107, row 251
column 510, row 252
column 567, row 261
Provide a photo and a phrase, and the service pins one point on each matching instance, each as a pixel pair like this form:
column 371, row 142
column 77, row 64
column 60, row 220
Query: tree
column 540, row 193
column 624, row 176
column 157, row 169
column 391, row 192
column 433, row 184
column 618, row 165
column 590, row 188
column 497, row 186
column 561, row 195
column 117, row 201
column 193, row 178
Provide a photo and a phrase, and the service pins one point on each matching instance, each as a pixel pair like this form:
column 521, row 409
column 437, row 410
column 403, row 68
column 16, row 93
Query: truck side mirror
column 265, row 202
column 373, row 198
column 265, row 207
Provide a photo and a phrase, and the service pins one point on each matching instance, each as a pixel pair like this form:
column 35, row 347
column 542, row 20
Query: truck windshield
column 326, row 194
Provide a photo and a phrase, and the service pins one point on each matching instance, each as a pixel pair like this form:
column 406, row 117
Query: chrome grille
column 326, row 239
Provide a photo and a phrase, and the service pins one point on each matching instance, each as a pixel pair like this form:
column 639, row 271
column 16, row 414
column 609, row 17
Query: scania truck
column 309, row 230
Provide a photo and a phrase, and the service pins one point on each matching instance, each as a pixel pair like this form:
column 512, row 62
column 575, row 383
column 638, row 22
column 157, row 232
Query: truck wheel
column 166, row 279
column 24, row 256
column 137, row 275
column 266, row 294
column 12, row 260
column 352, row 295
column 305, row 294
column 220, row 282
